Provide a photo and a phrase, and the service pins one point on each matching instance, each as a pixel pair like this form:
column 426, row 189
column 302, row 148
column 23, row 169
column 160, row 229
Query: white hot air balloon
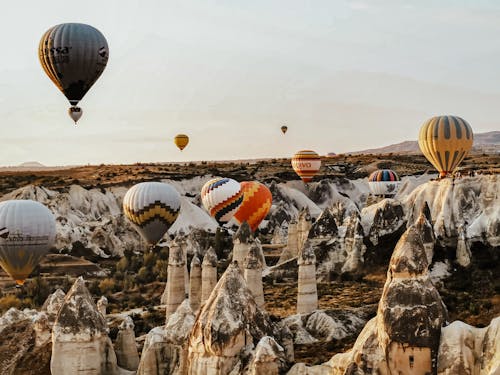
column 221, row 197
column 152, row 207
column 27, row 232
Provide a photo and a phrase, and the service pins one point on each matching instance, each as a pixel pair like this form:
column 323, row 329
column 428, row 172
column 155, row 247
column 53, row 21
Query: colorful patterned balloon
column 27, row 232
column 445, row 141
column 384, row 182
column 306, row 164
column 221, row 197
column 257, row 200
column 152, row 207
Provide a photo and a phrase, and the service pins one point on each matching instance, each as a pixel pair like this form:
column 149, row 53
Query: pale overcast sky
column 343, row 75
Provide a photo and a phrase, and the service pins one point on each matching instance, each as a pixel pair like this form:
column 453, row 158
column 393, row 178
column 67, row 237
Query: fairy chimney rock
column 102, row 305
column 307, row 295
column 411, row 312
column 176, row 283
column 195, row 283
column 80, row 343
column 242, row 241
column 253, row 274
column 53, row 303
column 208, row 274
column 424, row 227
column 269, row 357
column 126, row 348
column 292, row 246
column 228, row 322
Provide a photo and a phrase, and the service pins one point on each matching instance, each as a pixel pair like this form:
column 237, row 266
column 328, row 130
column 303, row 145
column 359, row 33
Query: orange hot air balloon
column 306, row 164
column 257, row 200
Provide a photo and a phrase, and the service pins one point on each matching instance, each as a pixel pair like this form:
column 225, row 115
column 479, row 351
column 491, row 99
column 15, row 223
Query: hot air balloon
column 181, row 141
column 221, row 197
column 27, row 232
column 284, row 128
column 73, row 55
column 445, row 141
column 384, row 182
column 331, row 155
column 257, row 200
column 152, row 207
column 306, row 164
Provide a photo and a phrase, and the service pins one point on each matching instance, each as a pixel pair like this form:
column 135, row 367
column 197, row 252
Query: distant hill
column 31, row 164
column 483, row 142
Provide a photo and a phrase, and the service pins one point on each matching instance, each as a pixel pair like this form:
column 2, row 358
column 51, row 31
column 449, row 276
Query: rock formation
column 304, row 223
column 383, row 218
column 80, row 343
column 242, row 240
column 195, row 283
column 102, row 305
column 53, row 303
column 269, row 358
column 208, row 274
column 424, row 227
column 165, row 348
column 307, row 294
column 253, row 274
column 292, row 243
column 227, row 328
column 353, row 244
column 176, row 288
column 125, row 346
column 404, row 336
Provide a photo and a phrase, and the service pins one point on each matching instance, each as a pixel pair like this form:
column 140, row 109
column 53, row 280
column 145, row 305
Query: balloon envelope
column 152, row 207
column 306, row 164
column 445, row 141
column 73, row 55
column 221, row 197
column 384, row 182
column 181, row 141
column 284, row 128
column 257, row 200
column 27, row 232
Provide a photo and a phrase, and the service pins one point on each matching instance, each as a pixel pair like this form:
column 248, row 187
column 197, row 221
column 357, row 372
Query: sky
column 342, row 75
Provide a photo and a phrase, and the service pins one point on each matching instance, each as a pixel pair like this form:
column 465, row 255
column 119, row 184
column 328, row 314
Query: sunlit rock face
column 165, row 349
column 471, row 202
column 195, row 283
column 53, row 303
column 80, row 343
column 242, row 241
column 269, row 358
column 253, row 274
column 228, row 327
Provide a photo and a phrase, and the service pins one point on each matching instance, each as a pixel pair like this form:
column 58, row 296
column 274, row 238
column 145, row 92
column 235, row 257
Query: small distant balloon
column 75, row 113
column 257, row 201
column 152, row 207
column 181, row 141
column 27, row 232
column 73, row 55
column 384, row 182
column 331, row 155
column 221, row 197
column 306, row 164
column 445, row 141
column 284, row 129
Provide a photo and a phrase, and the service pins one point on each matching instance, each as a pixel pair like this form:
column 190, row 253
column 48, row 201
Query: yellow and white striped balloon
column 152, row 207
column 445, row 141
